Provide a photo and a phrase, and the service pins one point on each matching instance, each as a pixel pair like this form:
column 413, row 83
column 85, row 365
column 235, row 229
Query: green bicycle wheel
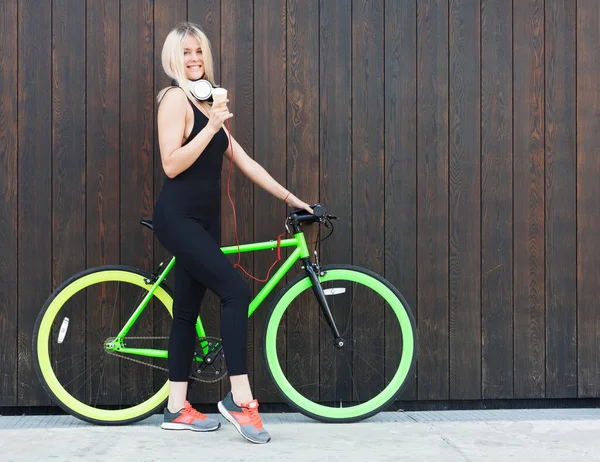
column 79, row 318
column 357, row 380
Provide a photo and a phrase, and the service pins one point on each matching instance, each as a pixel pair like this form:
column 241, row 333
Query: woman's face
column 192, row 58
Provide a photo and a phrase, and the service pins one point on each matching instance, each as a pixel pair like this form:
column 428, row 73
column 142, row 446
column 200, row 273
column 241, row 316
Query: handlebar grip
column 318, row 210
column 302, row 216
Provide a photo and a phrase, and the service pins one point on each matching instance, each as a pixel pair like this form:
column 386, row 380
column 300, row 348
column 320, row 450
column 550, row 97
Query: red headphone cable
column 237, row 264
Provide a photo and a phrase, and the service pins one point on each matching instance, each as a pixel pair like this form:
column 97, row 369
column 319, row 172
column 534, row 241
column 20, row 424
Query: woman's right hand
column 219, row 113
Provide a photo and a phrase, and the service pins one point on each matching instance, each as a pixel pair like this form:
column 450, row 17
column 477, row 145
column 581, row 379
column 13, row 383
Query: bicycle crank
column 209, row 360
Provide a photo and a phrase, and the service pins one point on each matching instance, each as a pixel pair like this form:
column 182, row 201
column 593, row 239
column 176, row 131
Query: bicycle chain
column 112, row 353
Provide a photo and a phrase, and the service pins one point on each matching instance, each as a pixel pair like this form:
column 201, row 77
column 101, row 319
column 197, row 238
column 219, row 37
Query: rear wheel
column 332, row 382
column 76, row 323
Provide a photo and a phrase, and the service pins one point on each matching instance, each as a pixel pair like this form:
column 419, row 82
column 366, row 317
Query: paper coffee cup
column 219, row 94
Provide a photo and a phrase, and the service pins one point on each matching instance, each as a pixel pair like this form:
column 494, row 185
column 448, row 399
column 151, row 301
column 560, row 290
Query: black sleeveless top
column 196, row 192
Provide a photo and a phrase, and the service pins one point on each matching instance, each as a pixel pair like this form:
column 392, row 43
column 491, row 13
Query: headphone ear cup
column 201, row 89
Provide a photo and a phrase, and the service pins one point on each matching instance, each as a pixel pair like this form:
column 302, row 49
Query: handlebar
column 296, row 217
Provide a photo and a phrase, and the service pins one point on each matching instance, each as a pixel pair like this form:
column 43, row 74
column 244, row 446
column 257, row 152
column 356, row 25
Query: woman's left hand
column 296, row 203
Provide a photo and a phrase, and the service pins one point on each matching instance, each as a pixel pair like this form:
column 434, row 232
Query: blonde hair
column 172, row 57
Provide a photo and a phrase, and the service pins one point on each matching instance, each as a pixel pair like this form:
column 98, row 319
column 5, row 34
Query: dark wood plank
column 137, row 151
column 167, row 14
column 237, row 74
column 103, row 171
column 528, row 200
column 302, row 168
column 588, row 192
column 269, row 147
column 335, row 88
column 561, row 198
column 368, row 191
column 34, row 186
column 102, row 105
column 465, row 201
column 8, row 202
column 68, row 177
column 496, row 200
column 303, row 104
column 432, row 199
column 401, row 155
column 207, row 14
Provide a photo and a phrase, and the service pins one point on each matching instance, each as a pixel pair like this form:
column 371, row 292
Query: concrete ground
column 490, row 435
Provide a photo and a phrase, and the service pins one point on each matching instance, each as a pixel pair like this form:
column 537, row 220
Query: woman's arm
column 171, row 127
column 261, row 177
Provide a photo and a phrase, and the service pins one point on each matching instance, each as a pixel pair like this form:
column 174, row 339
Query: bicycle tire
column 406, row 365
column 42, row 334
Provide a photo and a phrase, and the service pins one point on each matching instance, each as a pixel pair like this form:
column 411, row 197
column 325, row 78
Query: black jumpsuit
column 186, row 221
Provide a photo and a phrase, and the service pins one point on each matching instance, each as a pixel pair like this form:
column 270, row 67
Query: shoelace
column 252, row 412
column 188, row 409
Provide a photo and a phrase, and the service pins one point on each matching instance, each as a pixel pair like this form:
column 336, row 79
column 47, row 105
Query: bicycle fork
column 318, row 291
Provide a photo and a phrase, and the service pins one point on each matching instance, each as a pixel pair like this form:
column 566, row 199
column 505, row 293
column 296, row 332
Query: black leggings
column 200, row 264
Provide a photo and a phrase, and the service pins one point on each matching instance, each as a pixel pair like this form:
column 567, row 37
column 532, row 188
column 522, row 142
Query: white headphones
column 201, row 89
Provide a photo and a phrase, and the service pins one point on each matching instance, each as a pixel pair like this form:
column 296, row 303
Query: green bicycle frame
column 301, row 251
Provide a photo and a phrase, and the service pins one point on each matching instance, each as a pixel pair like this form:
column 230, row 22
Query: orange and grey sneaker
column 189, row 418
column 245, row 418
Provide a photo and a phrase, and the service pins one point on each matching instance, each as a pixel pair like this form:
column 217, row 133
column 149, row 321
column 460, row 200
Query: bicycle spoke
column 114, row 309
column 70, row 357
column 370, row 365
column 352, row 376
column 90, row 379
column 80, row 374
column 100, row 382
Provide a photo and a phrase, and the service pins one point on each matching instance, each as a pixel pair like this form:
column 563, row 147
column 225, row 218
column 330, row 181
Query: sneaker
column 245, row 418
column 189, row 418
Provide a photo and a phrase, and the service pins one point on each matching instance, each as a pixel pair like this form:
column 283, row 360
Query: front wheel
column 352, row 381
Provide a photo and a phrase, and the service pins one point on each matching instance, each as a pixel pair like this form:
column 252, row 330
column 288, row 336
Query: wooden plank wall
column 457, row 139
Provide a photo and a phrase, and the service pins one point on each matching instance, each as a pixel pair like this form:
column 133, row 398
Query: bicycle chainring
column 209, row 360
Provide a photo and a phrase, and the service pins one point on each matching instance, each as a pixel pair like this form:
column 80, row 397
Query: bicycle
column 85, row 337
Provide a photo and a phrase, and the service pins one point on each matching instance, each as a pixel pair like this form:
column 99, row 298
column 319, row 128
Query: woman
column 192, row 141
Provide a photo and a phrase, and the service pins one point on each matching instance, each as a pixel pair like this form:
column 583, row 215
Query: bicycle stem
column 318, row 291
